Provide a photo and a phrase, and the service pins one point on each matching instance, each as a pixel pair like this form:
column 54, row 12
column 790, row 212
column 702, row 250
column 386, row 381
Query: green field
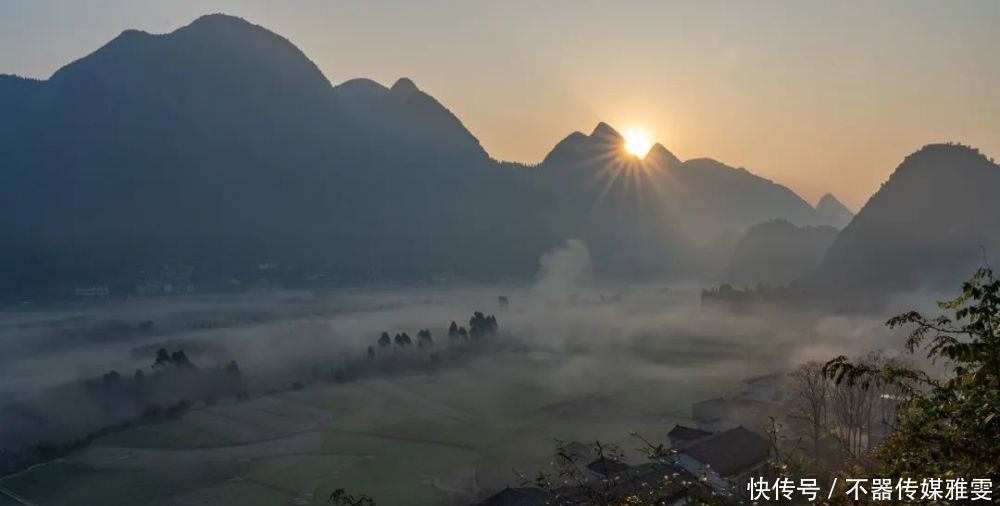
column 449, row 437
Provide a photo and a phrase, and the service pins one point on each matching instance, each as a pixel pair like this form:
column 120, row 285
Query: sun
column 637, row 142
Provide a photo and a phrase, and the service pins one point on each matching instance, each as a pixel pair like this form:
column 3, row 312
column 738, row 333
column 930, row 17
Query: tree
column 810, row 397
column 481, row 325
column 384, row 341
column 162, row 358
column 463, row 334
column 371, row 353
column 111, row 379
column 424, row 338
column 403, row 340
column 942, row 421
column 180, row 359
column 340, row 497
column 852, row 408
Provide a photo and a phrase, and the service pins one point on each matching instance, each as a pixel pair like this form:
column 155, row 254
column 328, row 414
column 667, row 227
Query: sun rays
column 637, row 142
column 628, row 173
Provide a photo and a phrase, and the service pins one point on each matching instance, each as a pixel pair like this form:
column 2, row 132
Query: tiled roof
column 685, row 433
column 731, row 451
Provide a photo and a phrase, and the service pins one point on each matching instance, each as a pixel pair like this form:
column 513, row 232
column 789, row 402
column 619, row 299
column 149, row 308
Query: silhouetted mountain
column 612, row 200
column 778, row 253
column 403, row 117
column 932, row 223
column 830, row 211
column 221, row 146
column 683, row 215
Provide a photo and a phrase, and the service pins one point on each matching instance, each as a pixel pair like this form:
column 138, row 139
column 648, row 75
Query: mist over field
column 566, row 330
column 316, row 254
column 577, row 358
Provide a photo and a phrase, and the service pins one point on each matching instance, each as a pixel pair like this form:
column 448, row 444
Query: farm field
column 450, row 437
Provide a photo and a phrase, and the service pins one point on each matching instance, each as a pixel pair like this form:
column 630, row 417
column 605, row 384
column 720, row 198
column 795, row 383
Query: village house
column 725, row 460
column 682, row 436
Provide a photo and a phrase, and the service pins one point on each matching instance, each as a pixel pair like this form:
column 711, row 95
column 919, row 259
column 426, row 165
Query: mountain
column 405, row 117
column 778, row 253
column 220, row 146
column 613, row 201
column 686, row 215
column 930, row 225
column 830, row 211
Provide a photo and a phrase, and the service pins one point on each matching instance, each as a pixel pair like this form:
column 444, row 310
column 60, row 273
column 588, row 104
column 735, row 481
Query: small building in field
column 92, row 291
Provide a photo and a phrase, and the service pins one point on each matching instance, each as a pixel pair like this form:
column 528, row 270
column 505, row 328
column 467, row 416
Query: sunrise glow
column 637, row 142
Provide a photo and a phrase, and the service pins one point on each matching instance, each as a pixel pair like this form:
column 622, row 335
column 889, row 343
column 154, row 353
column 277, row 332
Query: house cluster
column 725, row 460
column 700, row 463
column 173, row 279
column 726, row 447
column 760, row 399
column 92, row 291
column 608, row 480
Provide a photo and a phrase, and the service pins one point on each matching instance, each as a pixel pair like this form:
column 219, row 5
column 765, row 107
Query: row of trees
column 403, row 340
column 850, row 417
column 53, row 426
column 890, row 418
column 480, row 325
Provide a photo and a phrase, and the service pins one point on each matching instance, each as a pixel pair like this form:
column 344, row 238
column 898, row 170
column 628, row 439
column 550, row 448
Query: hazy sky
column 820, row 96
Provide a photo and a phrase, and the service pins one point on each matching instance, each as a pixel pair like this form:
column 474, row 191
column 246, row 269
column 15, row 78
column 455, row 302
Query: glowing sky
column 820, row 96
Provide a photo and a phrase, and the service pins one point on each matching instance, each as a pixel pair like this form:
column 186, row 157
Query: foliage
column 943, row 420
column 340, row 497
column 482, row 325
column 597, row 475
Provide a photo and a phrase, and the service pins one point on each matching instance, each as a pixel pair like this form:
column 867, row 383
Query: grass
column 413, row 441
column 63, row 484
column 172, row 435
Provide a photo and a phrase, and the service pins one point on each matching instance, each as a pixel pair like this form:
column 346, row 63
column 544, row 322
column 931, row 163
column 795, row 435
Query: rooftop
column 685, row 433
column 731, row 452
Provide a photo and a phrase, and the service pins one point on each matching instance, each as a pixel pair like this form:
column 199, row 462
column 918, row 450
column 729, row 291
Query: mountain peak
column 404, row 87
column 605, row 130
column 219, row 19
column 829, row 200
column 899, row 241
column 660, row 154
column 222, row 23
column 832, row 212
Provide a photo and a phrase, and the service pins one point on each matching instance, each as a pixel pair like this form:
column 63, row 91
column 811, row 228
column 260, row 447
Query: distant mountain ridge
column 830, row 211
column 930, row 225
column 688, row 214
column 778, row 253
column 221, row 146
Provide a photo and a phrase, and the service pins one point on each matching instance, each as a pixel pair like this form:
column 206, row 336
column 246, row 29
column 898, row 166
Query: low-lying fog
column 579, row 335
